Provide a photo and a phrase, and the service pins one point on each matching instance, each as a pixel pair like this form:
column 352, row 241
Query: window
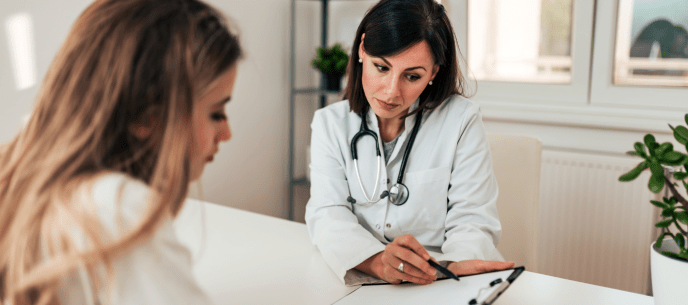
column 520, row 41
column 629, row 85
column 651, row 43
column 526, row 50
column 574, row 62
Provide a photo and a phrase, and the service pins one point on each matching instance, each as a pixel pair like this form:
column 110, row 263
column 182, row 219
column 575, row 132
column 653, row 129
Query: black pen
column 445, row 271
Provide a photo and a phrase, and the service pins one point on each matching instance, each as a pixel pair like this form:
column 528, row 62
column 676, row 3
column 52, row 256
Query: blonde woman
column 129, row 113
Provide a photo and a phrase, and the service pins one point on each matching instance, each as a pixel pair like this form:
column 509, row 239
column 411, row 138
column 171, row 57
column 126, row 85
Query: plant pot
column 333, row 82
column 669, row 275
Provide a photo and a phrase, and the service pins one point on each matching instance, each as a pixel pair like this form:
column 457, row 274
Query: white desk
column 255, row 259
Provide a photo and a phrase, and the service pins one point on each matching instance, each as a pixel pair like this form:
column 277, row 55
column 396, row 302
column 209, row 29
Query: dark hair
column 391, row 27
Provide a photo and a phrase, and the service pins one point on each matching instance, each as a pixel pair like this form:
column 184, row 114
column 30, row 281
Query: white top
column 452, row 188
column 157, row 271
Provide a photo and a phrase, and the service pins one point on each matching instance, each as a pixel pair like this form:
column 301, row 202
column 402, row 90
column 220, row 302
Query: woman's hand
column 477, row 266
column 404, row 249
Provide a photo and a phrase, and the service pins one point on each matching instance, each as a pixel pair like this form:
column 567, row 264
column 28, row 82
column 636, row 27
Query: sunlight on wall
column 22, row 54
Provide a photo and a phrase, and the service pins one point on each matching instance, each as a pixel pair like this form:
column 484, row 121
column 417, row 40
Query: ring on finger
column 401, row 267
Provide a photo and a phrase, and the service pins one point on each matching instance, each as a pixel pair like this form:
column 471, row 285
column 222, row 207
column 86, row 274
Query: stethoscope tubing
column 402, row 191
column 414, row 132
column 360, row 182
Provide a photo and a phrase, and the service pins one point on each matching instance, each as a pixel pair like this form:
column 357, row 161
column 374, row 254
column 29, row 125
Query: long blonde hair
column 124, row 62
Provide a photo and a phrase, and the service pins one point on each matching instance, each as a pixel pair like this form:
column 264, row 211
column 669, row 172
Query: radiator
column 593, row 228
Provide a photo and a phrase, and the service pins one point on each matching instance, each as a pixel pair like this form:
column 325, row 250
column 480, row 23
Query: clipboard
column 443, row 291
column 496, row 288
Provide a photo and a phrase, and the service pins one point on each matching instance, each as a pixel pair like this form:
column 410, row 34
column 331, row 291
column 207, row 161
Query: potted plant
column 669, row 254
column 332, row 63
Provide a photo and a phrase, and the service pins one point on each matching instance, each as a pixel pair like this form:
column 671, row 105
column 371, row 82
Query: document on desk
column 445, row 291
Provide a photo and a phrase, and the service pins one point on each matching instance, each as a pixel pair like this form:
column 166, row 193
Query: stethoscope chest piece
column 398, row 194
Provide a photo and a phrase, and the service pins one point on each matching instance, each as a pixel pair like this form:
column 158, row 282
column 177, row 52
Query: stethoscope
column 398, row 193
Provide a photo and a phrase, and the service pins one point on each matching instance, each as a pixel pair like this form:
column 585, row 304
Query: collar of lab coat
column 408, row 126
column 408, row 121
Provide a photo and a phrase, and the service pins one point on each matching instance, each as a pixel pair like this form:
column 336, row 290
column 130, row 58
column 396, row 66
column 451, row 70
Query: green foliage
column 657, row 157
column 332, row 60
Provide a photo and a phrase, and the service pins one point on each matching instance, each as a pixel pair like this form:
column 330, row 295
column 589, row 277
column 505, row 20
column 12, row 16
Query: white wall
column 51, row 21
column 250, row 171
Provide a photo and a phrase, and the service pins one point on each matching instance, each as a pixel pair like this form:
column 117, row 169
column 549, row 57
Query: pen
column 442, row 269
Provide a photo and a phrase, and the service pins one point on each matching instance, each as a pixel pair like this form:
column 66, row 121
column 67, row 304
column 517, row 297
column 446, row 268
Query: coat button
column 387, row 181
column 389, row 225
column 377, row 227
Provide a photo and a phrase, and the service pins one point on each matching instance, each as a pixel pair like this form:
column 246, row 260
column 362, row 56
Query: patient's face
column 210, row 124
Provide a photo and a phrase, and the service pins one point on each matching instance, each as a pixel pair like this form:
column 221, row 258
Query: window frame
column 603, row 91
column 575, row 92
column 597, row 103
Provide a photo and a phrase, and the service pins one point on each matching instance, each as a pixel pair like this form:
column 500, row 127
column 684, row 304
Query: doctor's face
column 209, row 123
column 392, row 83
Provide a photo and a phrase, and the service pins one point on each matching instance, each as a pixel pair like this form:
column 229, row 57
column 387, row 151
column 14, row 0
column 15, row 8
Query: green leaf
column 640, row 149
column 634, row 173
column 680, row 175
column 680, row 241
column 664, row 223
column 670, row 254
column 660, row 239
column 683, row 255
column 662, row 149
column 656, row 169
column 681, row 134
column 686, row 117
column 656, row 184
column 658, row 204
column 668, row 212
column 681, row 160
column 649, row 140
column 671, row 201
column 672, row 156
column 682, row 217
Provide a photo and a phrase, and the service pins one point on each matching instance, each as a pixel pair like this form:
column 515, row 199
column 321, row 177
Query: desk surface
column 248, row 258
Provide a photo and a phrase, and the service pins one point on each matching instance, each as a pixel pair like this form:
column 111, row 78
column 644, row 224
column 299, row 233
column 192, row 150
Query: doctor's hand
column 477, row 266
column 404, row 250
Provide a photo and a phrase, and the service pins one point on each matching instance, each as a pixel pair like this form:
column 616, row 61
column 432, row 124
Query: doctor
column 404, row 163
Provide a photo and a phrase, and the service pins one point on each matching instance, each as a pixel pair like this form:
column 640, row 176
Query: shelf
column 316, row 91
column 301, row 181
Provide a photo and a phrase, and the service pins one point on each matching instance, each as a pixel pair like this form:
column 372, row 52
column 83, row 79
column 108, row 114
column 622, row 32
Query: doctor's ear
column 435, row 69
column 361, row 50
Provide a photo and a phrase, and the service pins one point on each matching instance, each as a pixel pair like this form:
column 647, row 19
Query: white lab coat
column 157, row 271
column 452, row 188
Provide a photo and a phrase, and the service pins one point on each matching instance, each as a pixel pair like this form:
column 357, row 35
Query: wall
column 250, row 171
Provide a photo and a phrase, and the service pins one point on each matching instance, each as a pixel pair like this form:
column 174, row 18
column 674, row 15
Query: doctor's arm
column 332, row 225
column 472, row 227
